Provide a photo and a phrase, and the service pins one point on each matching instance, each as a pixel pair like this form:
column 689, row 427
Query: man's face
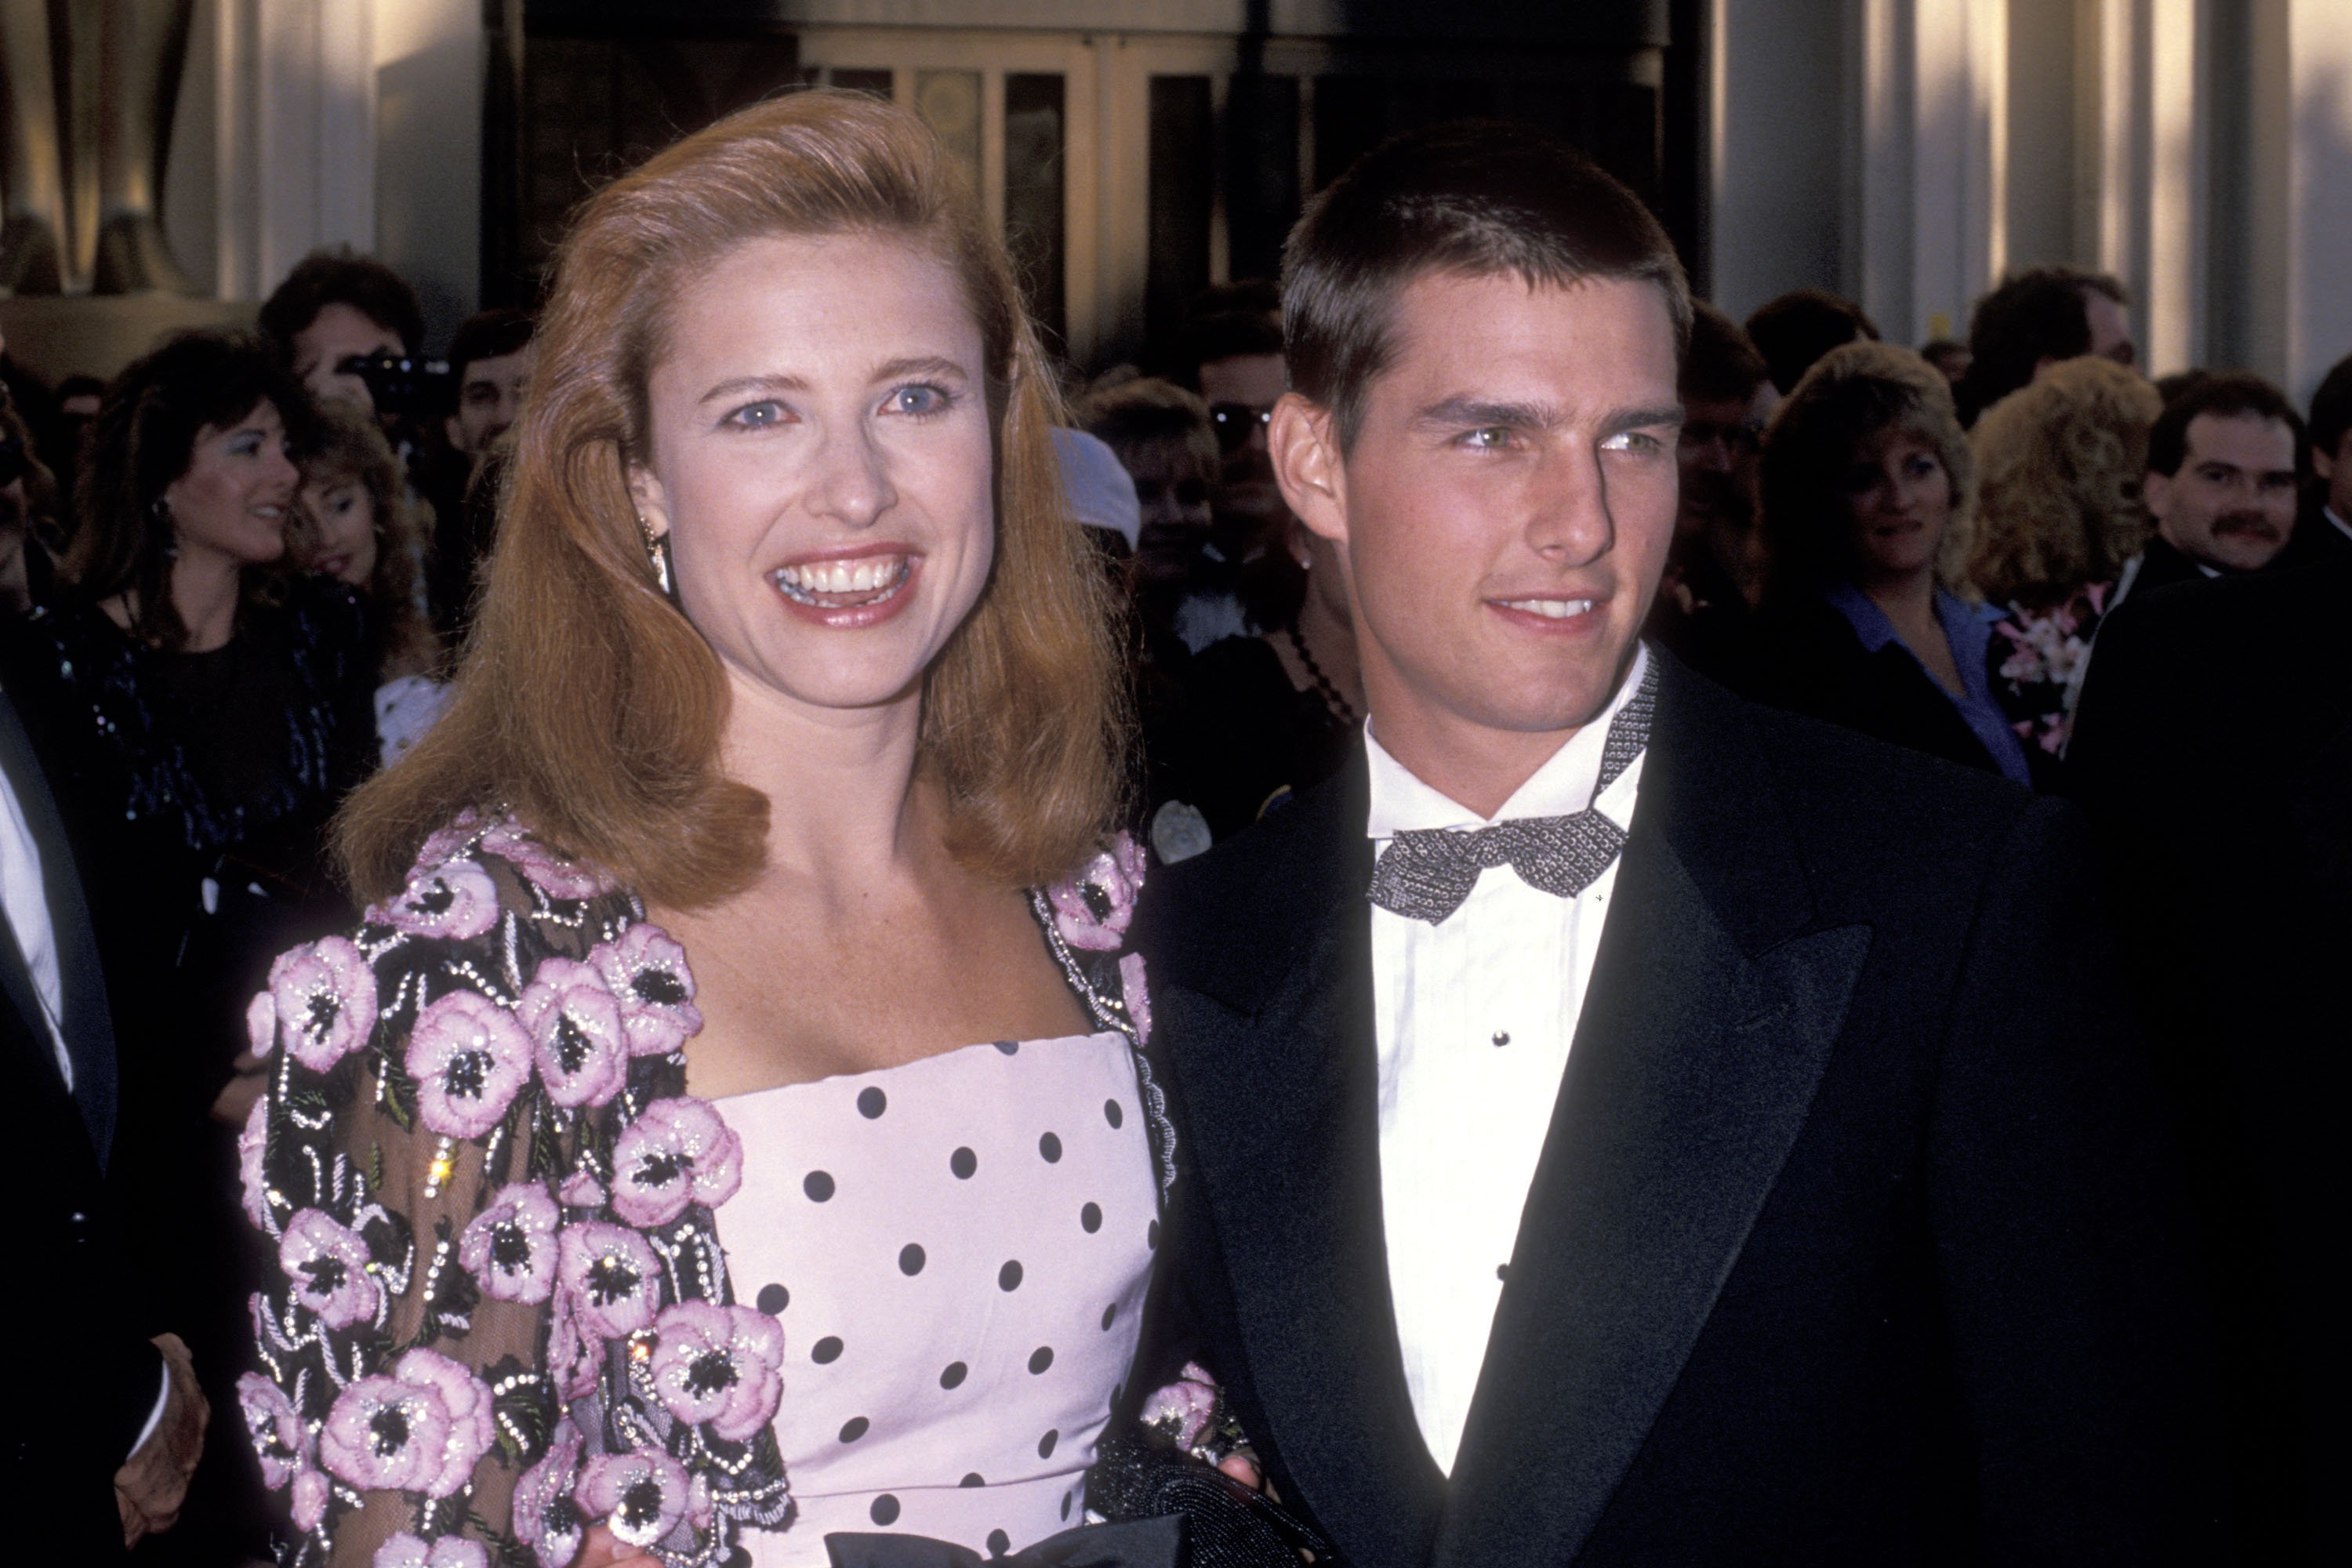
column 1503, row 513
column 2231, row 505
column 2335, row 467
column 1716, row 458
column 490, row 398
column 336, row 333
column 1241, row 390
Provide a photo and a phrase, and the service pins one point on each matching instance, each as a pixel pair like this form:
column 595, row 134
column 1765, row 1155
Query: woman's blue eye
column 757, row 415
column 918, row 400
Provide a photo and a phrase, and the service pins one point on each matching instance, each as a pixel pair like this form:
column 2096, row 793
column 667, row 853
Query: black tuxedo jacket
column 2213, row 750
column 1851, row 1241
column 82, row 1381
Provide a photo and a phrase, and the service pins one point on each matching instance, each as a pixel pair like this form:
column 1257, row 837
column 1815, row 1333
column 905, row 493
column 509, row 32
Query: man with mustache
column 2225, row 464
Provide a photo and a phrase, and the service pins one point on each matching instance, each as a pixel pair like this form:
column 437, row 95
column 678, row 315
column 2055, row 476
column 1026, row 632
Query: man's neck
column 1477, row 766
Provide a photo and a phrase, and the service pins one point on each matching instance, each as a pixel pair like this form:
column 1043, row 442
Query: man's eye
column 1491, row 438
column 918, row 400
column 1639, row 442
column 758, row 415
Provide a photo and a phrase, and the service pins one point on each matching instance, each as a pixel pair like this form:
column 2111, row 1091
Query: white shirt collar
column 2342, row 526
column 1401, row 801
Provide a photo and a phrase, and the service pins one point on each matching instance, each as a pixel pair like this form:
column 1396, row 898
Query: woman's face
column 340, row 541
column 821, row 460
column 1898, row 499
column 235, row 497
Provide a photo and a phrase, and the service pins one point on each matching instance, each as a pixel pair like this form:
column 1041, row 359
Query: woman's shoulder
column 482, row 866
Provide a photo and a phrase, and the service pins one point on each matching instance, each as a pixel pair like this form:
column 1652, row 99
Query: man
column 2036, row 319
column 1794, row 329
column 1841, row 1234
column 1714, row 566
column 93, row 1403
column 2225, row 461
column 491, row 362
column 336, row 307
column 2213, row 748
column 2325, row 530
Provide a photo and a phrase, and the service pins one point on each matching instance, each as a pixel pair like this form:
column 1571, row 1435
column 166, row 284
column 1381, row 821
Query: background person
column 2039, row 318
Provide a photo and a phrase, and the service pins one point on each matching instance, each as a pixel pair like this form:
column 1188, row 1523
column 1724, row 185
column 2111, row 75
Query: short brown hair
column 347, row 443
column 1145, row 411
column 1479, row 198
column 2059, row 465
column 1852, row 392
column 592, row 709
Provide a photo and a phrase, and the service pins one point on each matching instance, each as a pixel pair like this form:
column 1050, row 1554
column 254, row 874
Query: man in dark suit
column 104, row 1427
column 1617, row 1125
column 2213, row 748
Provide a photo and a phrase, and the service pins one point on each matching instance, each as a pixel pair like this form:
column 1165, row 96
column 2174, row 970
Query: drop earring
column 657, row 551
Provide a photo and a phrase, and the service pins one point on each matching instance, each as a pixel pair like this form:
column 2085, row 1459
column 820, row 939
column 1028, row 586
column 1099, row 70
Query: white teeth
column 876, row 575
column 1550, row 609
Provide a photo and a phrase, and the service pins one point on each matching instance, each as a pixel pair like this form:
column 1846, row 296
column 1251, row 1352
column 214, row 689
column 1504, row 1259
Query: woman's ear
column 1304, row 441
column 647, row 496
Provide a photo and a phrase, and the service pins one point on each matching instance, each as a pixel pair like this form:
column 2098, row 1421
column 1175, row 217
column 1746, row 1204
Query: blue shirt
column 1970, row 636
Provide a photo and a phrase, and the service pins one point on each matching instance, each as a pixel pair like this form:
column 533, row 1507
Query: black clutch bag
column 1226, row 1524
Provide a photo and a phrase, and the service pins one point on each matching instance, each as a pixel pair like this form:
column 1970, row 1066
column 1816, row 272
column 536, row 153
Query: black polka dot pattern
column 826, row 1350
column 953, row 1375
column 973, row 1479
column 1114, row 1115
column 1009, row 1277
column 885, row 1510
column 1045, row 1444
column 1010, row 1048
column 1065, row 1504
column 1152, row 1235
column 1090, row 1218
column 818, row 1186
column 999, row 1544
column 854, row 1428
column 872, row 1102
column 963, row 1162
column 772, row 1298
column 1039, row 1359
column 1049, row 1148
column 1110, row 1316
column 910, row 1260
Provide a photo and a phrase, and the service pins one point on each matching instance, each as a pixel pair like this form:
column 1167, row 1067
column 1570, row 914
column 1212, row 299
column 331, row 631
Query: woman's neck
column 205, row 590
column 1906, row 600
column 845, row 808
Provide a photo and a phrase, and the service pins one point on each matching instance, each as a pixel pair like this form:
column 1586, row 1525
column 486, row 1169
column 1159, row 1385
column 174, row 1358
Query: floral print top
column 2035, row 655
column 502, row 1313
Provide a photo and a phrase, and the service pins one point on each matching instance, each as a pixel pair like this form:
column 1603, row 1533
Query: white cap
column 1100, row 494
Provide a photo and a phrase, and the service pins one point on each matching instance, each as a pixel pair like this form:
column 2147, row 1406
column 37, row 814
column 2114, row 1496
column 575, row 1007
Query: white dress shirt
column 26, row 901
column 1474, row 1017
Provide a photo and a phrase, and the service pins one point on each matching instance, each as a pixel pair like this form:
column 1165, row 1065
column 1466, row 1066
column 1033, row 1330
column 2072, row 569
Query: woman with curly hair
column 2058, row 514
column 353, row 522
column 635, row 1177
column 1867, row 483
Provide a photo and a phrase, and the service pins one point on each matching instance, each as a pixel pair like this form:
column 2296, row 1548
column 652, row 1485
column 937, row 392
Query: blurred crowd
column 235, row 579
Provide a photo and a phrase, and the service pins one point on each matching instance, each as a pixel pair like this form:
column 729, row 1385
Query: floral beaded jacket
column 502, row 1313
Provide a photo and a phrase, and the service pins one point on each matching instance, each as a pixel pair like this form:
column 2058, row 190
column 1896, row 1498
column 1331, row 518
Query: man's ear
column 2156, row 495
column 647, row 496
column 2322, row 462
column 1303, row 438
column 455, row 433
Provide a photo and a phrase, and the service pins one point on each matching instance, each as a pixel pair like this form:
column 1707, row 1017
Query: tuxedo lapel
column 1708, row 1023
column 1273, row 1043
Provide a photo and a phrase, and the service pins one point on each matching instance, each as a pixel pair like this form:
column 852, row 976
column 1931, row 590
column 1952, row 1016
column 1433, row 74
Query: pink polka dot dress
column 957, row 1250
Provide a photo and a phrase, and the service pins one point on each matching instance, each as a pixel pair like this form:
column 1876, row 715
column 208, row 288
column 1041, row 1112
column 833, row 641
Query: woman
column 1867, row 480
column 633, row 1167
column 353, row 522
column 2058, row 514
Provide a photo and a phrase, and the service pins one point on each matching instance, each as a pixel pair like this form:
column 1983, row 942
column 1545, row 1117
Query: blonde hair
column 2060, row 462
column 346, row 442
column 1852, row 392
column 592, row 709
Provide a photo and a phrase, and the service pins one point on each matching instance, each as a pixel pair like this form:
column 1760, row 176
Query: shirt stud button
column 1501, row 1036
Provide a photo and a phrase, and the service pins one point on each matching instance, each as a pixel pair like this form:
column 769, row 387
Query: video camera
column 404, row 386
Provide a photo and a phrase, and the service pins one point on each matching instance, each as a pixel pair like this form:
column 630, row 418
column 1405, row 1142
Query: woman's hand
column 1242, row 1466
column 602, row 1549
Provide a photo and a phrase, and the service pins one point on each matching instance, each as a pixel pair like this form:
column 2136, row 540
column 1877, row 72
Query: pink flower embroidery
column 327, row 1263
column 404, row 1550
column 446, row 841
column 572, row 1360
column 576, row 1038
column 680, row 1152
column 1092, row 910
column 423, row 1429
column 309, row 1499
column 548, row 872
column 1138, row 1000
column 322, row 997
column 546, row 1520
column 261, row 1024
column 1183, row 1408
column 251, row 1145
column 455, row 901
column 611, row 1276
column 582, row 1190
column 720, row 1366
column 509, row 1246
column 647, row 971
column 641, row 1495
column 469, row 1058
column 271, row 1422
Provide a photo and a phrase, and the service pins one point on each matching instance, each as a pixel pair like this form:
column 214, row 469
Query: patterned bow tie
column 1428, row 872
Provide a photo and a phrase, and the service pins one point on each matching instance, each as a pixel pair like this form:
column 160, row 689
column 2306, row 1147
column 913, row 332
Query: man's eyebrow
column 1642, row 419
column 1477, row 413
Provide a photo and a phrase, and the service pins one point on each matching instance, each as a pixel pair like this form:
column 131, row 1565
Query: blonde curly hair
column 2059, row 465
